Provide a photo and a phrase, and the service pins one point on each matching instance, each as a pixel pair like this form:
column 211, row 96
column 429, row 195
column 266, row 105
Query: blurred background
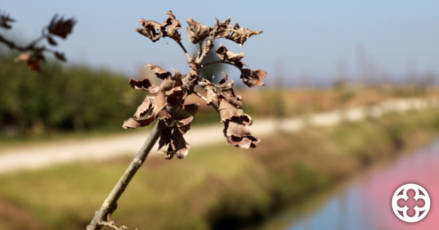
column 349, row 112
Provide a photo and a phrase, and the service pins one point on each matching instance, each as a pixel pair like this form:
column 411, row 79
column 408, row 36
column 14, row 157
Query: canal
column 365, row 202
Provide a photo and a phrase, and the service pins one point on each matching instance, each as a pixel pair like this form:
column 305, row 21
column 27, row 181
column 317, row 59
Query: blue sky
column 319, row 39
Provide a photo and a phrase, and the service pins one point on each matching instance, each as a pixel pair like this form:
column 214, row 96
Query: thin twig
column 219, row 62
column 29, row 47
column 207, row 46
column 105, row 223
column 184, row 49
column 202, row 97
column 200, row 50
column 32, row 44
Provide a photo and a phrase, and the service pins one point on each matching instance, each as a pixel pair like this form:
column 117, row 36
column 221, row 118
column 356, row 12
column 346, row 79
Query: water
column 366, row 203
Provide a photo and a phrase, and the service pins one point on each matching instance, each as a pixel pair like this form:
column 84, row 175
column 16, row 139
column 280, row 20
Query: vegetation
column 203, row 192
column 61, row 99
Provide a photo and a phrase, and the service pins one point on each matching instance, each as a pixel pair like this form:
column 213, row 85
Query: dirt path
column 37, row 156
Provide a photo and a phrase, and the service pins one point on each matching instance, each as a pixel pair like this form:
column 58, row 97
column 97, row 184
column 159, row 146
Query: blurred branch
column 57, row 27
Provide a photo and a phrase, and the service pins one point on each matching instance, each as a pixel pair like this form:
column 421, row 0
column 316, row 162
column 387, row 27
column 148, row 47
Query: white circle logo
column 411, row 203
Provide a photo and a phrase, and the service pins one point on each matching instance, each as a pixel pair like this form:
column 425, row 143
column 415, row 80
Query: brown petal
column 172, row 30
column 177, row 77
column 240, row 35
column 191, row 108
column 210, row 88
column 237, row 135
column 151, row 34
column 228, row 113
column 144, row 84
column 61, row 27
column 224, row 29
column 174, row 98
column 34, row 65
column 234, row 57
column 224, row 54
column 4, row 20
column 159, row 110
column 151, row 29
column 159, row 72
column 179, row 145
column 178, row 91
column 194, row 69
column 60, row 56
column 237, row 130
column 23, row 57
column 146, row 106
column 185, row 124
column 221, row 52
column 132, row 123
column 245, row 143
column 236, row 101
column 169, row 20
column 228, row 93
column 165, row 141
column 197, row 32
column 170, row 14
column 51, row 41
column 167, row 84
column 253, row 78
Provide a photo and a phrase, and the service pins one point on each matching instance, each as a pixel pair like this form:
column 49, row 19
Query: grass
column 216, row 187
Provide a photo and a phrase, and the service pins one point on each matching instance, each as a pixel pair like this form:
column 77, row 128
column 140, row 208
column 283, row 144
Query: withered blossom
column 236, row 34
column 61, row 27
column 154, row 30
column 253, row 78
column 32, row 54
column 5, row 20
column 167, row 100
column 197, row 32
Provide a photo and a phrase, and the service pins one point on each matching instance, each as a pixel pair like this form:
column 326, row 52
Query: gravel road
column 37, row 156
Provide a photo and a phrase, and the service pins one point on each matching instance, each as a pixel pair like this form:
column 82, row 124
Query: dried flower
column 61, row 27
column 173, row 90
column 31, row 54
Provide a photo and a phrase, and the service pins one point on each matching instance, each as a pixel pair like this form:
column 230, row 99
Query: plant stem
column 110, row 204
column 184, row 49
column 201, row 96
column 218, row 62
column 207, row 45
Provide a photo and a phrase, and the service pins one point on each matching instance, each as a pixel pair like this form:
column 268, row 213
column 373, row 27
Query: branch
column 29, row 47
column 105, row 223
column 205, row 99
column 110, row 204
column 184, row 49
column 219, row 62
column 208, row 44
column 200, row 49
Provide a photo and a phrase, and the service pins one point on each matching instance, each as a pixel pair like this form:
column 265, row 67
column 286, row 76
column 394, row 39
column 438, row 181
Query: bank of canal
column 365, row 202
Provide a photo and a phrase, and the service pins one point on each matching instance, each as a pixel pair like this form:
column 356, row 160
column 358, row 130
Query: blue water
column 347, row 210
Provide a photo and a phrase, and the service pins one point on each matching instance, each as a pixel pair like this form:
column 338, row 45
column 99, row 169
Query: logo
column 411, row 203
